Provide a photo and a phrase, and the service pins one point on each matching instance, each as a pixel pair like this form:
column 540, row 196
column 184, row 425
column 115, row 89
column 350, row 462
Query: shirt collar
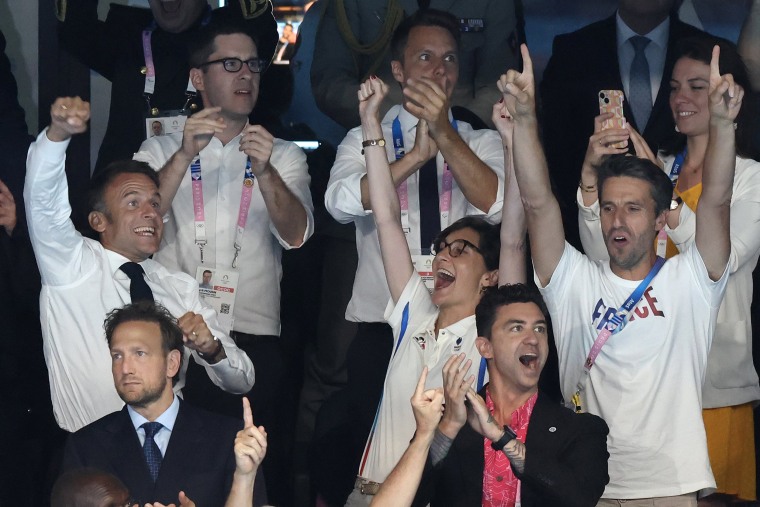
column 519, row 417
column 462, row 327
column 167, row 419
column 115, row 260
column 658, row 35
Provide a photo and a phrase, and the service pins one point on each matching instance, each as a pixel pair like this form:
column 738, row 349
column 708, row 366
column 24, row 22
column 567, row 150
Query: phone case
column 611, row 101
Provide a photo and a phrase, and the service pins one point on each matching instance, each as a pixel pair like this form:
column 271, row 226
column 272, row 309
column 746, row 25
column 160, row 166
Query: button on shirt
column 257, row 304
column 344, row 203
column 81, row 283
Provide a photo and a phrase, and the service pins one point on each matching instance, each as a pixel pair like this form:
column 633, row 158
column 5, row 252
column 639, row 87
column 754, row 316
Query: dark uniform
column 114, row 49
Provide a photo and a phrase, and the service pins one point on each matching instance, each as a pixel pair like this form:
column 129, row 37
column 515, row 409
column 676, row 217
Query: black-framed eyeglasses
column 256, row 65
column 456, row 247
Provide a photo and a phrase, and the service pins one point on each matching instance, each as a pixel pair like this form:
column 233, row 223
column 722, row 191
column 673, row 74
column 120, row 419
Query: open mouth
column 529, row 360
column 145, row 231
column 170, row 6
column 443, row 278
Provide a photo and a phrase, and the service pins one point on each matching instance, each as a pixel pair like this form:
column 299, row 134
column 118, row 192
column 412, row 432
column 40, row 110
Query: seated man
column 157, row 445
column 83, row 280
column 632, row 340
column 519, row 445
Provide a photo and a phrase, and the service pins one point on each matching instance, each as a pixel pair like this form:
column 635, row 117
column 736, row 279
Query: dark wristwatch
column 508, row 435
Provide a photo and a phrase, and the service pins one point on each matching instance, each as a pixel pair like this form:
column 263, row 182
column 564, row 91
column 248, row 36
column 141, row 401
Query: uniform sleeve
column 290, row 163
column 488, row 148
column 580, row 474
column 343, row 198
column 59, row 248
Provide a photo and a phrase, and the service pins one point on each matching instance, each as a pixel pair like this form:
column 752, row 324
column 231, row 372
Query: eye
column 540, row 329
column 132, row 203
column 606, row 208
column 141, row 353
column 424, row 57
column 450, row 59
column 115, row 356
column 516, row 328
column 155, row 204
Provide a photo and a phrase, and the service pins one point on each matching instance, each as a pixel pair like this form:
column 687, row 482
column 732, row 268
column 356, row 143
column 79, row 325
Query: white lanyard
column 199, row 213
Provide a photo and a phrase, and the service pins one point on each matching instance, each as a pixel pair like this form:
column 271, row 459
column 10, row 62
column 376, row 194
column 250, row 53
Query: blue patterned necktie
column 640, row 86
column 150, row 448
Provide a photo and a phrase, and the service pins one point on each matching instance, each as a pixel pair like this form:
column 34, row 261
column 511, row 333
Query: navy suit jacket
column 565, row 463
column 583, row 63
column 199, row 459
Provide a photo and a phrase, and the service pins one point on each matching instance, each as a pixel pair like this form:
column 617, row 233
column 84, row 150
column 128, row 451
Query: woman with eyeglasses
column 470, row 256
column 731, row 383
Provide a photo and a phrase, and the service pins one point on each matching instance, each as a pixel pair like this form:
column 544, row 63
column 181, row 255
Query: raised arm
column 512, row 256
column 385, row 204
column 250, row 450
column 749, row 44
column 542, row 213
column 399, row 488
column 712, row 234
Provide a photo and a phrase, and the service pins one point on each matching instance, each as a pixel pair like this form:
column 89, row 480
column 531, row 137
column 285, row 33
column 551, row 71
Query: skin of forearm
column 476, row 180
column 515, row 452
column 749, row 44
column 400, row 170
column 401, row 485
column 241, row 492
column 286, row 211
column 531, row 169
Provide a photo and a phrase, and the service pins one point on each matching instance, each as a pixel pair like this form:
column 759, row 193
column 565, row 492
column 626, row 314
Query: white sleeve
column 343, row 197
column 591, row 230
column 58, row 247
column 290, row 163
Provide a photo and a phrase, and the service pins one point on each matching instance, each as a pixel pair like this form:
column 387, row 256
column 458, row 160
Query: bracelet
column 372, row 142
column 508, row 435
column 587, row 188
column 219, row 348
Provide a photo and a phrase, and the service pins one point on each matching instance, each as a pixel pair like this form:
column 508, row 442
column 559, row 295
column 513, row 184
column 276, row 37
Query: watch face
column 674, row 203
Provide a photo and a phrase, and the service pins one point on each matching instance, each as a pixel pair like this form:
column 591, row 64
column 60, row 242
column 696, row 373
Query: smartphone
column 611, row 101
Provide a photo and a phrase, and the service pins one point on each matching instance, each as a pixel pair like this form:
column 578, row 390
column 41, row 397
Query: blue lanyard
column 398, row 137
column 618, row 321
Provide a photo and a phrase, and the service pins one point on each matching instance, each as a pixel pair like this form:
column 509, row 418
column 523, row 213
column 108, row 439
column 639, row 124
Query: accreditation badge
column 161, row 123
column 423, row 265
column 218, row 288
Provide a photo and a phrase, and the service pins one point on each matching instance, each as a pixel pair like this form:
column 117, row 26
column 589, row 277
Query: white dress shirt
column 655, row 52
column 344, row 203
column 257, row 304
column 81, row 283
column 167, row 420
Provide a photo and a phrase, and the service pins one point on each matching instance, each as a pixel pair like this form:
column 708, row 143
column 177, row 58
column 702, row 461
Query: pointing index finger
column 421, row 383
column 247, row 413
column 715, row 64
column 527, row 62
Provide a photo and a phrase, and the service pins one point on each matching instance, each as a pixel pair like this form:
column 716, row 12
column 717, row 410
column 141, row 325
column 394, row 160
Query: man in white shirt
column 632, row 341
column 82, row 279
column 162, row 448
column 235, row 197
column 443, row 174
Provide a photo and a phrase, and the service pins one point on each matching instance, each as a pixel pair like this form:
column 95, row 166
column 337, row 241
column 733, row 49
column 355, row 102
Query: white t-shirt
column 344, row 202
column 414, row 350
column 647, row 380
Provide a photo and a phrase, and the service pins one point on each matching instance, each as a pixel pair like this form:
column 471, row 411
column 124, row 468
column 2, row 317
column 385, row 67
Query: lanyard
column 614, row 325
column 675, row 171
column 444, row 196
column 150, row 67
column 404, row 325
column 199, row 213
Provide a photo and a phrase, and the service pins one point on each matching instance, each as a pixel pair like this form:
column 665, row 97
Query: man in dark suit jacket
column 191, row 450
column 587, row 61
column 555, row 456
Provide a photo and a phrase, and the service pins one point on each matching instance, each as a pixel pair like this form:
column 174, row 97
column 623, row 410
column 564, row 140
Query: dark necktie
column 430, row 215
column 138, row 287
column 640, row 86
column 150, row 448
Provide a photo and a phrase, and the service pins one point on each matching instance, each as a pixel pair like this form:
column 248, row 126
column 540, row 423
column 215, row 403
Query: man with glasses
column 235, row 197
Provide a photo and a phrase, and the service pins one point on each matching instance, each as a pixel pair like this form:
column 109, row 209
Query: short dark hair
column 207, row 271
column 86, row 487
column 488, row 238
column 494, row 298
column 203, row 44
column 700, row 48
column 104, row 178
column 148, row 311
column 423, row 17
column 660, row 185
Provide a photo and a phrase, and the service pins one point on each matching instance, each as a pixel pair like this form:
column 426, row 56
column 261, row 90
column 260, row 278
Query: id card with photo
column 423, row 265
column 218, row 287
column 164, row 123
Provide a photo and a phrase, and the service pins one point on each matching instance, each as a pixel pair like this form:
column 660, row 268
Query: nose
column 439, row 68
column 125, row 366
column 617, row 217
column 149, row 211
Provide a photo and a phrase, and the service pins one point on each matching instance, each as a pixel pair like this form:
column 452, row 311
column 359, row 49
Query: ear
column 397, row 69
column 196, row 77
column 661, row 220
column 173, row 363
column 484, row 346
column 97, row 221
column 489, row 279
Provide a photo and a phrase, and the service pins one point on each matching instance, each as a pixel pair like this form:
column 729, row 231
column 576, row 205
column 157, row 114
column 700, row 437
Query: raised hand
column 426, row 100
column 184, row 501
column 641, row 147
column 519, row 88
column 725, row 95
column 68, row 116
column 199, row 129
column 602, row 142
column 7, row 209
column 455, row 387
column 258, row 144
column 427, row 405
column 425, row 146
column 371, row 94
column 250, row 443
column 502, row 120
